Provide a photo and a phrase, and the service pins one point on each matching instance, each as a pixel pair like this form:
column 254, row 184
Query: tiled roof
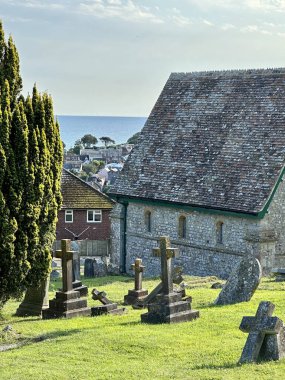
column 77, row 194
column 213, row 139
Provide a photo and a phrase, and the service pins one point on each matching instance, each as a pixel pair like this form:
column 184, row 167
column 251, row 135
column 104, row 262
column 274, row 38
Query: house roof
column 214, row 140
column 77, row 194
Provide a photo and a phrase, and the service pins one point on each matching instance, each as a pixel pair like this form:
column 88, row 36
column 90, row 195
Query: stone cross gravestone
column 168, row 306
column 166, row 253
column 261, row 329
column 108, row 306
column 138, row 293
column 67, row 302
column 242, row 282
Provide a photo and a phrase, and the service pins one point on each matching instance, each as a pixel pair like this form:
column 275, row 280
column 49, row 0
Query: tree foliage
column 30, row 168
column 107, row 140
column 134, row 138
column 88, row 141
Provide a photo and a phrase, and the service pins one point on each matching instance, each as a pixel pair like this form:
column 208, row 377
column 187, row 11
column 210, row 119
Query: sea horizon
column 118, row 128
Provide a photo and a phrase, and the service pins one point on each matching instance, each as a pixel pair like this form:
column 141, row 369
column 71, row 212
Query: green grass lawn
column 120, row 347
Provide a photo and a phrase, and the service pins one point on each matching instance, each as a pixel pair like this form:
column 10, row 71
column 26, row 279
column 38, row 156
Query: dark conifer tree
column 30, row 169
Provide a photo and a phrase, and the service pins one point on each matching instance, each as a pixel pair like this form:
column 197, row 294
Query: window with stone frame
column 182, row 227
column 147, row 220
column 220, row 233
column 94, row 216
column 68, row 216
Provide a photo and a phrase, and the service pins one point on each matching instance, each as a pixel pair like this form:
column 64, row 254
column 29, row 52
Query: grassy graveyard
column 121, row 347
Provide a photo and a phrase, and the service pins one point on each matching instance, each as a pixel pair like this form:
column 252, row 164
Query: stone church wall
column 200, row 251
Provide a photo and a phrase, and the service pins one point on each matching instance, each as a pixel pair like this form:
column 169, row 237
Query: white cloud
column 266, row 5
column 228, row 27
column 39, row 4
column 178, row 18
column 207, row 22
column 123, row 9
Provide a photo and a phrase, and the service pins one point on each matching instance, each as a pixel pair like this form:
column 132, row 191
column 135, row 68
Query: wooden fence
column 90, row 247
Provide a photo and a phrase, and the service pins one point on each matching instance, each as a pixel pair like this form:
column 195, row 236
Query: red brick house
column 84, row 214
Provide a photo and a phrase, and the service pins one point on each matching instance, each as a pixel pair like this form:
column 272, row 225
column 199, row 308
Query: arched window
column 219, row 232
column 147, row 220
column 182, row 227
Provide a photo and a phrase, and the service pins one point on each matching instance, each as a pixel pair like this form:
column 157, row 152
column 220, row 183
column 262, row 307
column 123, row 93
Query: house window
column 68, row 216
column 182, row 227
column 94, row 216
column 147, row 220
column 219, row 232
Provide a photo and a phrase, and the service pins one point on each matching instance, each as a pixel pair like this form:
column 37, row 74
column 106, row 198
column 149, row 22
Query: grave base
column 169, row 308
column 82, row 289
column 111, row 308
column 134, row 296
column 66, row 305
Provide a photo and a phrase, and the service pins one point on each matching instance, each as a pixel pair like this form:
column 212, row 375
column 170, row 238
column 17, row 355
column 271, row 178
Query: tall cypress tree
column 30, row 169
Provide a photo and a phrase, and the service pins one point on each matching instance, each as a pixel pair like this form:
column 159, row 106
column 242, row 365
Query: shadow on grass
column 216, row 366
column 133, row 323
column 22, row 342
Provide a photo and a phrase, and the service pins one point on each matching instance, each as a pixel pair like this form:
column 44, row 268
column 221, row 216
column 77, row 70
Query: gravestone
column 67, row 303
column 89, row 268
column 35, row 300
column 266, row 339
column 168, row 306
column 177, row 279
column 75, row 261
column 76, row 283
column 138, row 293
column 242, row 283
column 107, row 307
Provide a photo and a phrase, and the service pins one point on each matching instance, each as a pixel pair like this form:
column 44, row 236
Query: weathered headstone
column 107, row 307
column 76, row 283
column 67, row 302
column 168, row 306
column 88, row 268
column 76, row 261
column 242, row 283
column 138, row 293
column 35, row 300
column 266, row 339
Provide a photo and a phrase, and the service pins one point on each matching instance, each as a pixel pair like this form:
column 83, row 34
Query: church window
column 182, row 227
column 147, row 220
column 219, row 232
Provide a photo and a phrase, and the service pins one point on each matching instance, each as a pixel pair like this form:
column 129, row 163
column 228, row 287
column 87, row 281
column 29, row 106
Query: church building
column 207, row 171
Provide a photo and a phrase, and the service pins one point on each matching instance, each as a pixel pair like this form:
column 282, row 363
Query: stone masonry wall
column 275, row 220
column 200, row 254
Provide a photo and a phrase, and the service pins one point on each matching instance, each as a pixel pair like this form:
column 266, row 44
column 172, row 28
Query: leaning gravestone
column 138, row 293
column 242, row 282
column 35, row 300
column 67, row 303
column 168, row 306
column 266, row 339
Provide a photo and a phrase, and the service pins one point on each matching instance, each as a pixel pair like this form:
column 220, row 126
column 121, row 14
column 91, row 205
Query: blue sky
column 112, row 57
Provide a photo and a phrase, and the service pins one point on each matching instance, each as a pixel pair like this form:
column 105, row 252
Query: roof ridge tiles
column 231, row 72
